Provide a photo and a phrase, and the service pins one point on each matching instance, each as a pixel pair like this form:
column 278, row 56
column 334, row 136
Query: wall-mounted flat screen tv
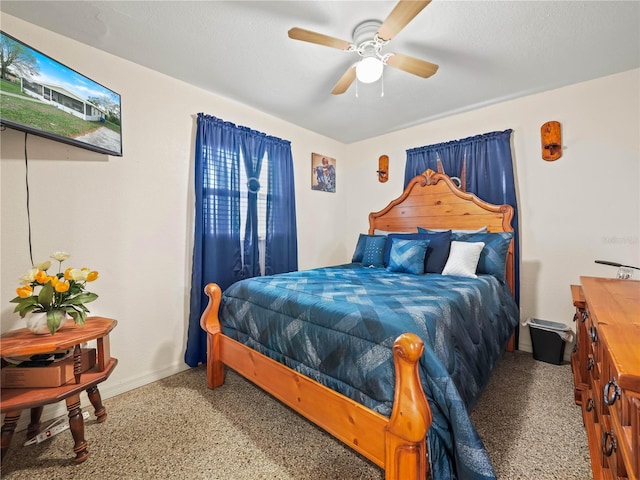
column 42, row 96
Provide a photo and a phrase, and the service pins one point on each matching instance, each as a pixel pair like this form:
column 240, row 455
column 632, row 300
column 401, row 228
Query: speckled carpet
column 176, row 428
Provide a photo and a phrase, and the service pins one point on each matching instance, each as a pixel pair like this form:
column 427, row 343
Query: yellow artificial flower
column 25, row 291
column 60, row 256
column 67, row 273
column 61, row 287
column 91, row 276
column 42, row 277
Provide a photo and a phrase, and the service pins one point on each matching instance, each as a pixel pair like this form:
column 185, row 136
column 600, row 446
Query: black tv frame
column 71, row 94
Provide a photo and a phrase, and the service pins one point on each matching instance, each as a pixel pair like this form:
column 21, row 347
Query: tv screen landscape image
column 42, row 96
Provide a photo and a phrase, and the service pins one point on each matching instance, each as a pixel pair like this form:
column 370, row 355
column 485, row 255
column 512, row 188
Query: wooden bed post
column 406, row 432
column 210, row 323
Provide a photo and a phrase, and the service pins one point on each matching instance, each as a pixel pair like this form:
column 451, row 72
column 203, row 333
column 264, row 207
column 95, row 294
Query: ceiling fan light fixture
column 368, row 40
column 369, row 69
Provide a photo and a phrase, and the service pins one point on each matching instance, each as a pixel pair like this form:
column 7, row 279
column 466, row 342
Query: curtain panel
column 485, row 165
column 224, row 154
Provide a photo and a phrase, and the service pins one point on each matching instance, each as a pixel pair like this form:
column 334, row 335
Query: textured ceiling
column 488, row 51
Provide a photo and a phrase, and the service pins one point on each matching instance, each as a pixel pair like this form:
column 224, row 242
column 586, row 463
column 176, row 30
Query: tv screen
column 42, row 96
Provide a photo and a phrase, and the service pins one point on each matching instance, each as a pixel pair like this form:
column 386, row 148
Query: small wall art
column 323, row 173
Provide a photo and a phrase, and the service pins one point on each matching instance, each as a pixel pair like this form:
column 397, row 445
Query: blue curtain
column 281, row 249
column 218, row 255
column 488, row 173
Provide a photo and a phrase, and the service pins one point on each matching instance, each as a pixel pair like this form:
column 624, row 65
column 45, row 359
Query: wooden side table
column 22, row 342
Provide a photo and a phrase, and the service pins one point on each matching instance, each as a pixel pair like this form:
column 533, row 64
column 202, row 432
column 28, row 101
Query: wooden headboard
column 432, row 200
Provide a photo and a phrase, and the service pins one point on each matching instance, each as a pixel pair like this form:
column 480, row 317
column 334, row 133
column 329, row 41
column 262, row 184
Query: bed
column 388, row 362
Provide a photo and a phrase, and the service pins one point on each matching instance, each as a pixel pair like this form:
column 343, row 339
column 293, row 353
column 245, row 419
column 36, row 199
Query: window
column 221, row 192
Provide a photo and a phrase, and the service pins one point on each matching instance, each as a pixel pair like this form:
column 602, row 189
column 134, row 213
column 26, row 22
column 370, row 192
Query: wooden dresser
column 606, row 371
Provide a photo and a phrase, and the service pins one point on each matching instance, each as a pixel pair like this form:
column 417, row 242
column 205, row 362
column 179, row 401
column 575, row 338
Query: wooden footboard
column 397, row 444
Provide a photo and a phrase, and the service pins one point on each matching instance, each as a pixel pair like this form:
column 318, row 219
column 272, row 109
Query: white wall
column 582, row 207
column 131, row 217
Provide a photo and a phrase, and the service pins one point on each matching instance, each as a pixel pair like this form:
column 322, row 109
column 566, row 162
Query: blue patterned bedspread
column 337, row 326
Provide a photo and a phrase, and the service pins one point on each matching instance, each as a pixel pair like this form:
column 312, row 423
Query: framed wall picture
column 323, row 173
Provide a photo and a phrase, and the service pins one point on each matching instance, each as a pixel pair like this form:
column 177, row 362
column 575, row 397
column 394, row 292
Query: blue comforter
column 337, row 326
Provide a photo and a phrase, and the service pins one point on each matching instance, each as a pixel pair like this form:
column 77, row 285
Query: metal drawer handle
column 590, row 363
column 584, row 316
column 590, row 404
column 593, row 333
column 609, row 444
column 611, row 392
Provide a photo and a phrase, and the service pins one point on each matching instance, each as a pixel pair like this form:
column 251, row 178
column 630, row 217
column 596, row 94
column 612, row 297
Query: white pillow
column 463, row 259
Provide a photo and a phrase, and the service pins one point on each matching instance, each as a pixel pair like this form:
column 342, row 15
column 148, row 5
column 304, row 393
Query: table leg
column 77, row 363
column 96, row 401
column 76, row 424
column 8, row 427
column 34, row 426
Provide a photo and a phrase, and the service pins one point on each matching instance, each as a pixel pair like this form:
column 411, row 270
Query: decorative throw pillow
column 463, row 259
column 493, row 259
column 359, row 251
column 404, row 236
column 437, row 251
column 407, row 256
column 373, row 255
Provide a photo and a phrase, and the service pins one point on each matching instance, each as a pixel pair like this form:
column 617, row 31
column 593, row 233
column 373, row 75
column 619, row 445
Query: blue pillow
column 373, row 255
column 493, row 259
column 407, row 256
column 359, row 252
column 437, row 251
column 404, row 236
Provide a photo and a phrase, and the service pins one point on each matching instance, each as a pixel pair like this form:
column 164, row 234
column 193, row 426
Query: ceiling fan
column 368, row 39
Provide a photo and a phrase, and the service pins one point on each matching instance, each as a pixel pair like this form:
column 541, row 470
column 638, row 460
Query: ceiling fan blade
column 345, row 81
column 318, row 38
column 412, row 65
column 400, row 16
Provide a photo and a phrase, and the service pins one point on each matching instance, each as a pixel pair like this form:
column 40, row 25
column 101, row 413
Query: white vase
column 37, row 322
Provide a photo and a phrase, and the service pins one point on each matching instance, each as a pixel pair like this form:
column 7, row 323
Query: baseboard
column 108, row 389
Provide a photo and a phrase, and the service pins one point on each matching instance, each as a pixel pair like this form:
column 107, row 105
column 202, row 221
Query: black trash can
column 548, row 340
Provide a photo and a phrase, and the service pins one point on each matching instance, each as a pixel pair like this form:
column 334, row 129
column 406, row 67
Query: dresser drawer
column 594, row 349
column 612, row 454
column 589, row 409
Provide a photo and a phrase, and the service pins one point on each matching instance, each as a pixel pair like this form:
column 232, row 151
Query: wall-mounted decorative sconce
column 383, row 168
column 551, row 141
